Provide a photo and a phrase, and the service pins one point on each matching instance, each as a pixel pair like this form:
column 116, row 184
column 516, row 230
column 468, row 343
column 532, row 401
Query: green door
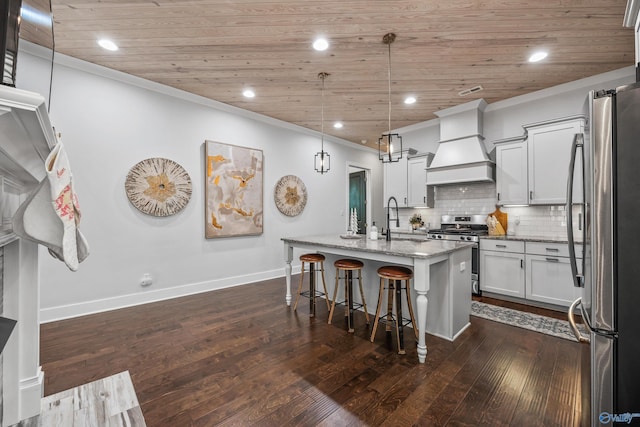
column 358, row 198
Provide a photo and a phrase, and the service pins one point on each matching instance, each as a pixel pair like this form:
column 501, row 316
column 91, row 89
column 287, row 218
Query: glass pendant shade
column 390, row 148
column 322, row 162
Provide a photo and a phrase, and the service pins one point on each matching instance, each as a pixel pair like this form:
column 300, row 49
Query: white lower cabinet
column 532, row 270
column 549, row 277
column 502, row 269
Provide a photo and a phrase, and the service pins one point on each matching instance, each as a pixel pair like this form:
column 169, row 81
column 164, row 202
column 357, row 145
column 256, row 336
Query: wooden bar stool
column 348, row 266
column 314, row 261
column 394, row 275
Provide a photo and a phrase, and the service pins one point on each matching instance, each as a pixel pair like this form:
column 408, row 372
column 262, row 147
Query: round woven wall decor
column 158, row 187
column 290, row 195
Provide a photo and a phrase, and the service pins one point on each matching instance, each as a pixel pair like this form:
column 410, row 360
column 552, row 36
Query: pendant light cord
column 322, row 118
column 389, row 74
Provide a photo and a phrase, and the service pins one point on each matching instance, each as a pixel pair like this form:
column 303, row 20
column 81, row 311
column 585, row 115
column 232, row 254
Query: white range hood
column 461, row 156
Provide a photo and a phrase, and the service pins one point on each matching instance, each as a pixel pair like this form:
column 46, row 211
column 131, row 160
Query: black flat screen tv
column 9, row 31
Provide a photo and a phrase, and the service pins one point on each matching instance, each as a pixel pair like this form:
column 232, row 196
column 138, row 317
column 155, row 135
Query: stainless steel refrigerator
column 604, row 223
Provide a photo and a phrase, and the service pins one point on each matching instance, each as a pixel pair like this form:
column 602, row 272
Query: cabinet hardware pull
column 424, row 199
column 498, row 196
column 521, row 263
column 552, row 259
column 579, row 221
column 552, row 249
column 405, row 200
column 501, row 246
column 530, row 195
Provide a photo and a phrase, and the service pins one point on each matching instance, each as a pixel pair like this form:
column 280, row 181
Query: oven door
column 475, row 270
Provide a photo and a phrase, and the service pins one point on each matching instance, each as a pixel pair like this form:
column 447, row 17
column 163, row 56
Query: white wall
column 109, row 122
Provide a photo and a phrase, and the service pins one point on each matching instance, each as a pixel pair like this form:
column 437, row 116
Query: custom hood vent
column 461, row 156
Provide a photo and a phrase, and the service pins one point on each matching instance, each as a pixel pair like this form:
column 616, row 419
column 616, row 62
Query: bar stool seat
column 395, row 275
column 316, row 262
column 348, row 266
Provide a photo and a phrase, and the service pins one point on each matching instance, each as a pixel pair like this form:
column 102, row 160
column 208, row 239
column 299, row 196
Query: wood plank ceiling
column 217, row 48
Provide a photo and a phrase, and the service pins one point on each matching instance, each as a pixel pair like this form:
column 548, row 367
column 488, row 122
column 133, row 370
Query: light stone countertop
column 421, row 235
column 525, row 238
column 397, row 246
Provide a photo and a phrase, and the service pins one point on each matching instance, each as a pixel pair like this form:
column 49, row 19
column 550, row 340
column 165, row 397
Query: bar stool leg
column 349, row 280
column 364, row 304
column 312, row 289
column 295, row 305
column 399, row 322
column 390, row 293
column 324, row 286
column 335, row 296
column 413, row 320
column 377, row 318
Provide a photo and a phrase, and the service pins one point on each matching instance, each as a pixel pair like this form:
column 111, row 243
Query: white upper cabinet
column 406, row 180
column 419, row 194
column 533, row 170
column 395, row 182
column 511, row 172
column 549, row 155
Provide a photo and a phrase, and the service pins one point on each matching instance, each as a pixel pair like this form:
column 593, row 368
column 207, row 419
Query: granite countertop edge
column 525, row 238
column 421, row 235
column 396, row 247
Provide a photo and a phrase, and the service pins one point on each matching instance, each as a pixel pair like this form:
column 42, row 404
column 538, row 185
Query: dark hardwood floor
column 240, row 356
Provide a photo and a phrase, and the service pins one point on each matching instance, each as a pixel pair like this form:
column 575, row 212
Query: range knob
column 461, row 237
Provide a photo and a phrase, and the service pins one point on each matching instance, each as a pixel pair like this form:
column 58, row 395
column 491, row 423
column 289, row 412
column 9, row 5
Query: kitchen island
column 441, row 276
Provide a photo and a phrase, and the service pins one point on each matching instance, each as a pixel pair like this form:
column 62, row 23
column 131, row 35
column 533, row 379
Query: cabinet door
column 549, row 280
column 395, row 182
column 417, row 182
column 419, row 194
column 511, row 173
column 549, row 148
column 502, row 273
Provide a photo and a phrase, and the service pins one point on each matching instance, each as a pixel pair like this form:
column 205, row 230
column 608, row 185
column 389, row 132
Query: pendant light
column 389, row 144
column 322, row 160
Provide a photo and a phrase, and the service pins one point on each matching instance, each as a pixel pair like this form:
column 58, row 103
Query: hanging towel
column 51, row 214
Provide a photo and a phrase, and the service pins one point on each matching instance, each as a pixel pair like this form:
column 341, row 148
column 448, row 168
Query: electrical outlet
column 146, row 280
column 463, row 266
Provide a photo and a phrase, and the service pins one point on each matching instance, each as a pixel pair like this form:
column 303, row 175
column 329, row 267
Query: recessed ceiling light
column 320, row 44
column 538, row 56
column 108, row 45
column 410, row 100
column 337, row 125
column 248, row 93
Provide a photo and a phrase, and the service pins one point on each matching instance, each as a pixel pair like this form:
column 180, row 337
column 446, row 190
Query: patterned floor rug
column 533, row 322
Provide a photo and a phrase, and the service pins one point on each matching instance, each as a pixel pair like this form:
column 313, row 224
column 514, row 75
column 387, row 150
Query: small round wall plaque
column 290, row 195
column 158, row 187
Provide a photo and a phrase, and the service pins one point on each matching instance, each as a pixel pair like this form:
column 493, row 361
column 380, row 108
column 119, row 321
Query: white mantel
column 26, row 137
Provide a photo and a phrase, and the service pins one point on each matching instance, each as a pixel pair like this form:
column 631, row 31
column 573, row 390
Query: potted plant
column 416, row 221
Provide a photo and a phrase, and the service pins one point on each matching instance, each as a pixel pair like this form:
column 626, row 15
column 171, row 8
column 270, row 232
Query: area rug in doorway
column 521, row 319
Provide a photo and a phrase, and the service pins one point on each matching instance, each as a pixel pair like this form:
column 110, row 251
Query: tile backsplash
column 480, row 199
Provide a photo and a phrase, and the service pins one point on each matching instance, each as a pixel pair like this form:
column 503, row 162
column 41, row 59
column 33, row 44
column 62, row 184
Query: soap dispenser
column 373, row 233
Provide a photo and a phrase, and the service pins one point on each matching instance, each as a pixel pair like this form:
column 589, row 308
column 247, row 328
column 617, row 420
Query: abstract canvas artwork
column 234, row 190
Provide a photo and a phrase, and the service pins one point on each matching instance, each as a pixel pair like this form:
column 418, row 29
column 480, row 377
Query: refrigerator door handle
column 578, row 279
column 572, row 321
column 587, row 321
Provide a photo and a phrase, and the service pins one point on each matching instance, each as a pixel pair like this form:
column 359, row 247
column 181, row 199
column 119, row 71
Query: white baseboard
column 31, row 393
column 61, row 312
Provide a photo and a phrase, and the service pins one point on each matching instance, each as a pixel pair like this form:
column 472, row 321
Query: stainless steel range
column 467, row 228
